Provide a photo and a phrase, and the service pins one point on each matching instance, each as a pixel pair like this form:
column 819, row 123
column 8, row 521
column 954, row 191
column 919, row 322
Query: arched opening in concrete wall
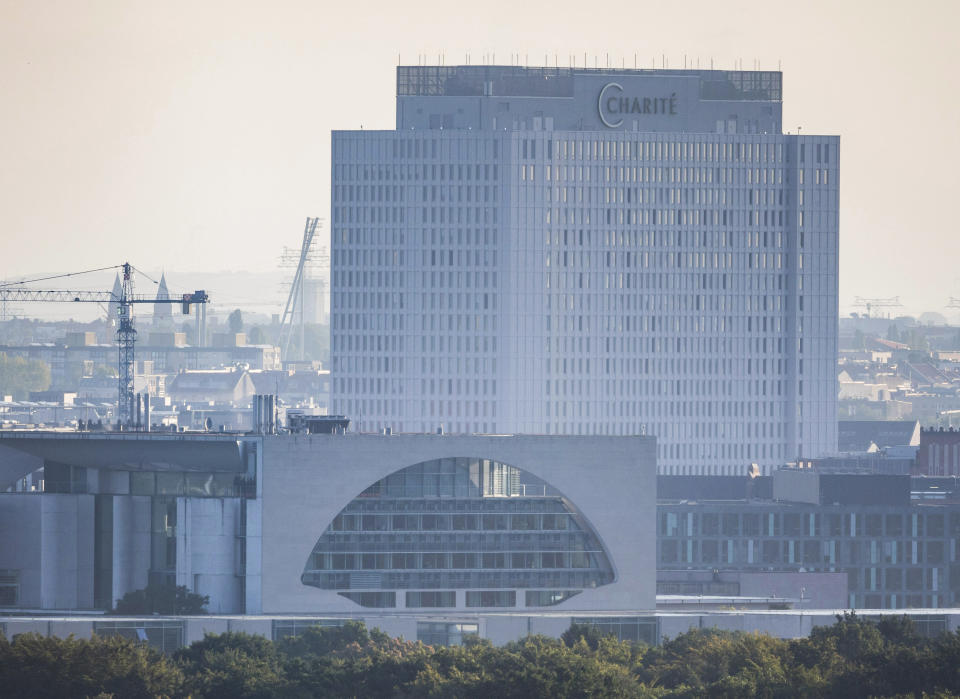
column 459, row 532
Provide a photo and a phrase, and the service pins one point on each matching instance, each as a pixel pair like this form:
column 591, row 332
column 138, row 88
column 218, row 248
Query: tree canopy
column 35, row 666
column 852, row 658
column 162, row 599
column 19, row 376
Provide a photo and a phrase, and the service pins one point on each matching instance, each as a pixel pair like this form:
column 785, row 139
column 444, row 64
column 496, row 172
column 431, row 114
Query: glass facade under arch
column 474, row 525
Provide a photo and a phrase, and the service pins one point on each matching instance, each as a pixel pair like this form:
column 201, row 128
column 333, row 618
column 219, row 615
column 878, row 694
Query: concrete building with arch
column 476, row 521
column 338, row 523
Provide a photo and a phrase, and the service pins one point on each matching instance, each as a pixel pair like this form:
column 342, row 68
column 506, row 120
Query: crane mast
column 126, row 339
column 295, row 300
column 126, row 332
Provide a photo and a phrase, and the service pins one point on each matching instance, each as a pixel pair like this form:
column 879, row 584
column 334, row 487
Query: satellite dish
column 208, row 424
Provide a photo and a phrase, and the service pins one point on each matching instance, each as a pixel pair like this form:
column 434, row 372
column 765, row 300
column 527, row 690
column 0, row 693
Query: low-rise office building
column 897, row 551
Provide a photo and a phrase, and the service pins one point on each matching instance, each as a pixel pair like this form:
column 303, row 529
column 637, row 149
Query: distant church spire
column 162, row 312
column 113, row 307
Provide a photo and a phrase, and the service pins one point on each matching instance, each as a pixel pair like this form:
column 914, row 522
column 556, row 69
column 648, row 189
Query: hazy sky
column 196, row 135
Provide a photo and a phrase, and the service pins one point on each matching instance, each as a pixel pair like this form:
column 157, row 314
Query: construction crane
column 870, row 304
column 126, row 333
column 295, row 300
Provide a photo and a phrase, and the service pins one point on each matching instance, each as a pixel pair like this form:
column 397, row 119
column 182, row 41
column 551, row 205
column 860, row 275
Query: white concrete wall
column 49, row 539
column 20, row 542
column 208, row 549
column 66, row 551
column 308, row 479
column 131, row 544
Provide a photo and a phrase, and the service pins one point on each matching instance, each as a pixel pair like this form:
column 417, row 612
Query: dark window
column 491, row 598
column 432, row 598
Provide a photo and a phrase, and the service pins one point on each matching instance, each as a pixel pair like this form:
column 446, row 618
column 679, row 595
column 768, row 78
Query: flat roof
column 167, row 451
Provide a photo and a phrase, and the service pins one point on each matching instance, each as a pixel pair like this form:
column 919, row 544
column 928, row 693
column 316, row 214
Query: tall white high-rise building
column 575, row 251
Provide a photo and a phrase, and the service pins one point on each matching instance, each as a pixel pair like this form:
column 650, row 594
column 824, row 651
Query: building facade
column 312, row 524
column 895, row 557
column 939, row 453
column 566, row 251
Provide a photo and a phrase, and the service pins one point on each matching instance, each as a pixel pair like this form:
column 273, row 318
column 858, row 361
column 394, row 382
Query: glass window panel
column 170, row 483
column 142, row 483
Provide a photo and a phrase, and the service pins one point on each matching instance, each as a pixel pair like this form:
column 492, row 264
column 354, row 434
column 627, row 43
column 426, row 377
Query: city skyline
column 201, row 139
column 629, row 321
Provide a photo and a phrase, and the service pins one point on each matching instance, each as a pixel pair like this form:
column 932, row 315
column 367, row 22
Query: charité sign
column 613, row 105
